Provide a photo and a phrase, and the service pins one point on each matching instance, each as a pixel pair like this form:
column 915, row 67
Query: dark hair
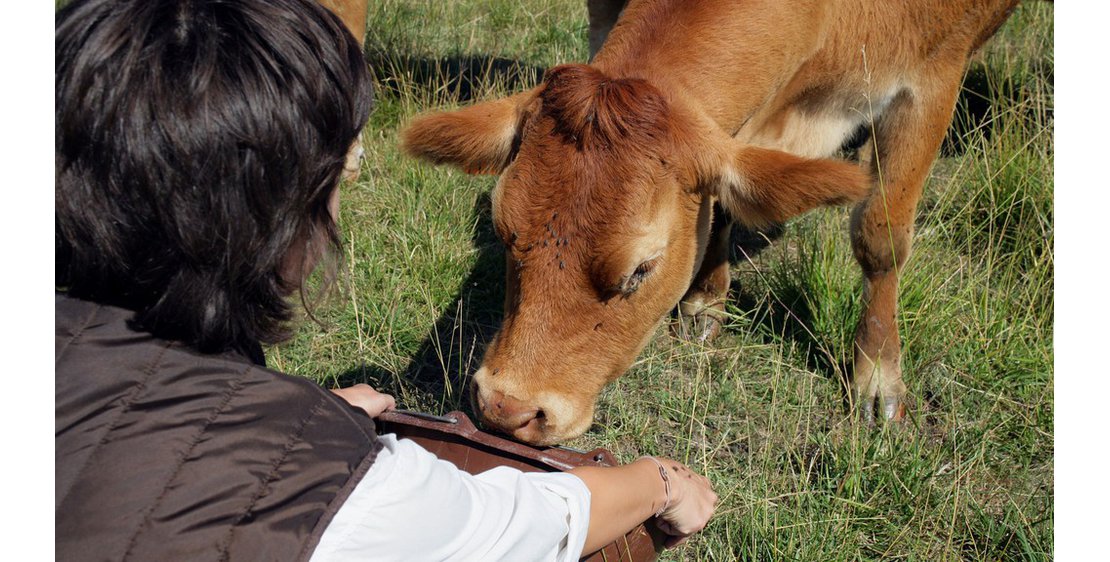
column 196, row 143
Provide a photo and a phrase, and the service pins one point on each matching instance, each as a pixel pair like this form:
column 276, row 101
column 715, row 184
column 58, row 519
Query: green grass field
column 761, row 411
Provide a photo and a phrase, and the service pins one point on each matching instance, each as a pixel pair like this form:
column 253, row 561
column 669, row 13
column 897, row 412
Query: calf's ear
column 762, row 187
column 480, row 139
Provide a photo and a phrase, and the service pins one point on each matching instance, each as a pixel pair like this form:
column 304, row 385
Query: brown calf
column 614, row 176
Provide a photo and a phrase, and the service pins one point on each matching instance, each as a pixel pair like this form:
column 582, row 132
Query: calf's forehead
column 599, row 194
column 575, row 236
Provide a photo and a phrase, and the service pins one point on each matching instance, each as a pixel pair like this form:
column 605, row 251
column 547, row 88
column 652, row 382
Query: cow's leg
column 906, row 141
column 353, row 165
column 701, row 311
column 353, row 15
column 603, row 15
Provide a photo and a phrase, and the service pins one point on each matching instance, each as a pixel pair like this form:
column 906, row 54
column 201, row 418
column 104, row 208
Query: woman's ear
column 479, row 139
column 761, row 187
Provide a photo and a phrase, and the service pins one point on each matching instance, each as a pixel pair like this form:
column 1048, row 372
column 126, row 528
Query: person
column 198, row 150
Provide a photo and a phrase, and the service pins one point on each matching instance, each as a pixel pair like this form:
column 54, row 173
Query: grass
column 761, row 410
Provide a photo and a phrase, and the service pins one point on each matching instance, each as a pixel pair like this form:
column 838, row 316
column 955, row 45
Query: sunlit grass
column 761, row 410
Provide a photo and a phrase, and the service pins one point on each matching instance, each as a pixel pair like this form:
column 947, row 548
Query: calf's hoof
column 888, row 408
column 877, row 390
column 699, row 323
column 352, row 166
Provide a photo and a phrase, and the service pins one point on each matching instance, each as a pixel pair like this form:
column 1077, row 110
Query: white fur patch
column 732, row 190
column 809, row 135
column 820, row 132
column 563, row 416
column 732, row 177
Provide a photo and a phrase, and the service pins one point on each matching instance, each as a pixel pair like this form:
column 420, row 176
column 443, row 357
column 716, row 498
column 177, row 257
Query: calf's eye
column 629, row 283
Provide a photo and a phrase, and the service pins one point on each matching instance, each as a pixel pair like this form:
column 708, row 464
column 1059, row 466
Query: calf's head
column 604, row 206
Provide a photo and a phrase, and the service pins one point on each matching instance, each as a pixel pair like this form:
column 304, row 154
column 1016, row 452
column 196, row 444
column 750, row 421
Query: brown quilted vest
column 164, row 453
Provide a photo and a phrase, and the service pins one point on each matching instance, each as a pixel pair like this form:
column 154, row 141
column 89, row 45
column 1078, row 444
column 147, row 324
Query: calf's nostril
column 497, row 401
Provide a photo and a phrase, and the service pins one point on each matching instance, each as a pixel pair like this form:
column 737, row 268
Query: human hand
column 692, row 503
column 365, row 397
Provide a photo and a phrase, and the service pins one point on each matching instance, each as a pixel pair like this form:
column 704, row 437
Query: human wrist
column 664, row 498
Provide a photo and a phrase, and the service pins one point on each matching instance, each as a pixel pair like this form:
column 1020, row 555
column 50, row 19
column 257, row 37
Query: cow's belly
column 817, row 130
column 809, row 135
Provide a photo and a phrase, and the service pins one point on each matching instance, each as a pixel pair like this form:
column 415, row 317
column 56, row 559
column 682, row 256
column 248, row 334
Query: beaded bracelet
column 666, row 483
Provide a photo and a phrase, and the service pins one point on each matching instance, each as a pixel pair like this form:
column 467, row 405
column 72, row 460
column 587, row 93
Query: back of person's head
column 197, row 143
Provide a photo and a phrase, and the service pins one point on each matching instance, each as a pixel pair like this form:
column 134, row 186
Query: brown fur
column 353, row 14
column 480, row 138
column 589, row 109
column 611, row 171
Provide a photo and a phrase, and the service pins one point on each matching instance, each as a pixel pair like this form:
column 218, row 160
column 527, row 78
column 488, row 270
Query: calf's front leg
column 701, row 311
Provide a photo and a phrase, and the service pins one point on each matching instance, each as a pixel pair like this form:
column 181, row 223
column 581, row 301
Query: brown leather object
column 454, row 438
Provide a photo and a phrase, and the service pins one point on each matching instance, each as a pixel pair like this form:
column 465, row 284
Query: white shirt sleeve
column 411, row 505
